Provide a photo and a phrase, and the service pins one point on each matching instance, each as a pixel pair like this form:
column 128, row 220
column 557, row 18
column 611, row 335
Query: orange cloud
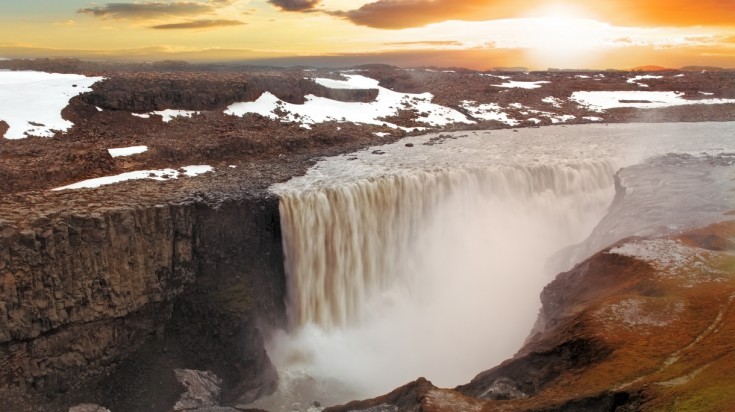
column 153, row 10
column 398, row 14
column 198, row 24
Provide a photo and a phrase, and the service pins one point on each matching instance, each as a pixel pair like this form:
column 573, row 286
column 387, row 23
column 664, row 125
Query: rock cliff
column 81, row 295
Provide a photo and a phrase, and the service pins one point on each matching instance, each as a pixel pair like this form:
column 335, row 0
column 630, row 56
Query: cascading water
column 346, row 245
column 429, row 262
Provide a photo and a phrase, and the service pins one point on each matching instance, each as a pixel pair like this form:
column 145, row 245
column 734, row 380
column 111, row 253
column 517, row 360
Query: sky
column 476, row 34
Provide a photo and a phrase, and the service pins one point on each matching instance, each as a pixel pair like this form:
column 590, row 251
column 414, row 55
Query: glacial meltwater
column 426, row 257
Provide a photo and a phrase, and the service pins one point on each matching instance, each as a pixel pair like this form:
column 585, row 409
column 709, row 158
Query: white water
column 428, row 260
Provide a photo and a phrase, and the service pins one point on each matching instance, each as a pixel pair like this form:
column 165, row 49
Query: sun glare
column 562, row 35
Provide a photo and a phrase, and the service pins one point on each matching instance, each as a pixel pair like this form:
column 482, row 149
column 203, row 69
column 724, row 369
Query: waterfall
column 348, row 244
column 427, row 259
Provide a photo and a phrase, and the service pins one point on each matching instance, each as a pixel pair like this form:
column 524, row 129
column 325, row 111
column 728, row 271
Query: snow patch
column 31, row 102
column 635, row 80
column 99, row 109
column 488, row 111
column 167, row 115
column 602, row 100
column 593, row 118
column 320, row 110
column 381, row 134
column 170, row 114
column 553, row 101
column 127, row 151
column 672, row 258
column 495, row 75
column 163, row 174
column 521, row 85
column 559, row 118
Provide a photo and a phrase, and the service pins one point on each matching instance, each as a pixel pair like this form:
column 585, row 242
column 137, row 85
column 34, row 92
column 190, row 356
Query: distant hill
column 700, row 68
column 650, row 68
column 510, row 69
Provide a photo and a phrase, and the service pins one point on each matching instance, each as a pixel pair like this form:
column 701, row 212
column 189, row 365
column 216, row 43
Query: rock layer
column 83, row 293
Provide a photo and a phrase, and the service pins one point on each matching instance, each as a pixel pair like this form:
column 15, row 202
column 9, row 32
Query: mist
column 437, row 273
column 431, row 265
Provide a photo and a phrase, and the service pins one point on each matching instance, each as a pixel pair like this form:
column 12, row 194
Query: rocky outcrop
column 116, row 297
column 67, row 286
column 144, row 92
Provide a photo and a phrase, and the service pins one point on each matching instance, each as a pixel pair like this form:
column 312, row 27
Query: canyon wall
column 80, row 294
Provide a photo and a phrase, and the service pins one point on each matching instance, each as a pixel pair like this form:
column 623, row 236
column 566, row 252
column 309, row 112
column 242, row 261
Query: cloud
column 198, row 24
column 154, row 10
column 296, row 5
column 425, row 43
column 399, row 14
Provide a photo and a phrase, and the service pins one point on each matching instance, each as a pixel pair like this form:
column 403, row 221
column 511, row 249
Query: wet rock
column 202, row 389
column 88, row 407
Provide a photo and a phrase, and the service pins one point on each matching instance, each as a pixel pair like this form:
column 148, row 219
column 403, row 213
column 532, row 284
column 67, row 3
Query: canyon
column 105, row 292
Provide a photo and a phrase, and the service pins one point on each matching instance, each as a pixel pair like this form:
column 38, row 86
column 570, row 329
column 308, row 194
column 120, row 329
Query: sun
column 563, row 36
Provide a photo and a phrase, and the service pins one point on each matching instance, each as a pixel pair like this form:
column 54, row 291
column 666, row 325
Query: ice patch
column 602, row 100
column 127, row 151
column 522, row 85
column 31, row 102
column 320, row 110
column 163, row 174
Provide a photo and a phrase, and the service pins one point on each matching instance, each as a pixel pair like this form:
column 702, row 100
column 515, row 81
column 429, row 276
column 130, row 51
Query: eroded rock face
column 111, row 303
column 67, row 286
